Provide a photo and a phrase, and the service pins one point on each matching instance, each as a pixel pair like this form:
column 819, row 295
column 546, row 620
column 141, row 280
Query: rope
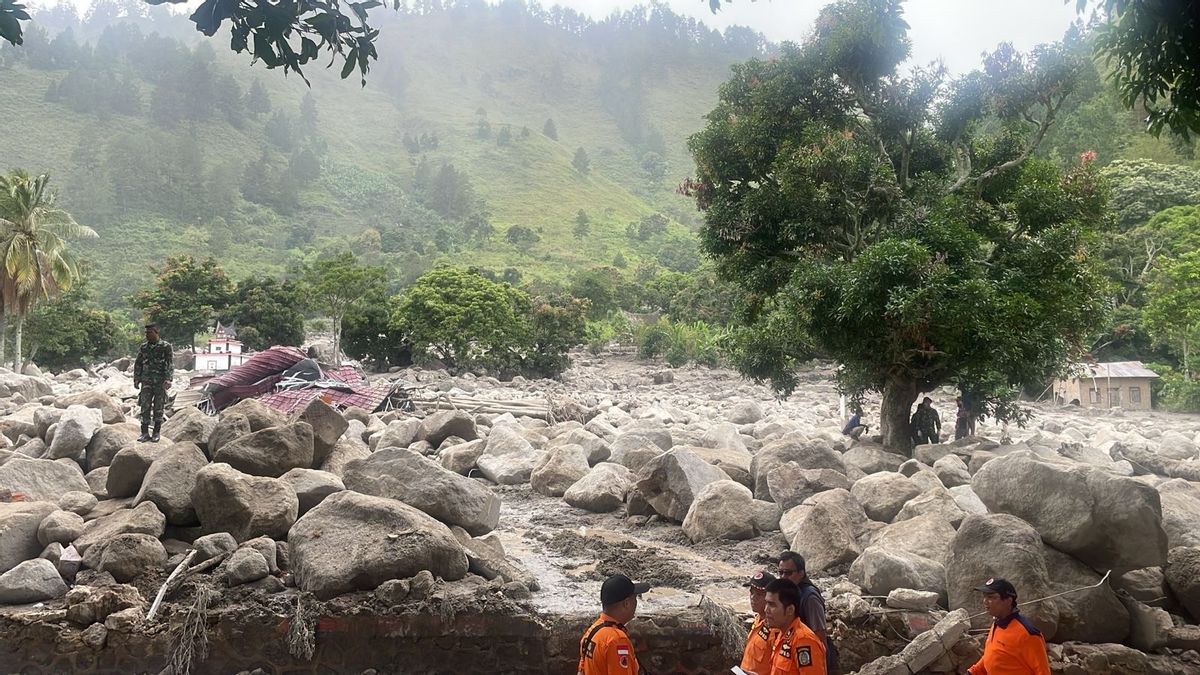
column 1098, row 584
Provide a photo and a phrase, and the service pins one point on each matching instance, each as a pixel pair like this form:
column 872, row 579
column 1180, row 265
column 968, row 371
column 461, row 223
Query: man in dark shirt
column 812, row 605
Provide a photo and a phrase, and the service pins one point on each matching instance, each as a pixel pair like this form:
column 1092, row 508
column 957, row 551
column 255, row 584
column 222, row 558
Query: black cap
column 760, row 579
column 151, row 326
column 998, row 585
column 618, row 587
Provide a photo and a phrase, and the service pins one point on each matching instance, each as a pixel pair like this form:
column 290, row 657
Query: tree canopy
column 186, row 295
column 899, row 223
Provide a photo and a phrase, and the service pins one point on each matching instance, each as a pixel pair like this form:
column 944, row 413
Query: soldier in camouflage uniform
column 154, row 366
column 926, row 424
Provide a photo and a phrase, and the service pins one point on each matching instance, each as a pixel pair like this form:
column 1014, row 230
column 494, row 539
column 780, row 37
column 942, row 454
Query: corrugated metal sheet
column 1115, row 369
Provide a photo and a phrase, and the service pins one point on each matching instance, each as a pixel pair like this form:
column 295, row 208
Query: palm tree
column 34, row 261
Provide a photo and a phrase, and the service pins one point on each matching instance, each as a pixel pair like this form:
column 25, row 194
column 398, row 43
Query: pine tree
column 258, row 102
column 581, row 162
column 550, row 130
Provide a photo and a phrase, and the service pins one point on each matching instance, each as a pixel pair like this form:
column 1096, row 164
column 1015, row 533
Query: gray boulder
column 391, row 540
column 97, row 480
column 1094, row 615
column 633, row 450
column 19, row 523
column 446, row 423
column 244, row 566
column 169, row 482
column 461, row 457
column 397, row 434
column 227, row 500
column 128, row 556
column 270, row 452
column 938, row 501
column 825, row 529
column 404, row 475
column 560, row 468
column 145, row 518
column 507, row 459
column 74, row 431
column 967, row 500
column 928, row 536
column 1183, row 577
column 745, row 412
column 77, row 502
column 883, row 494
column 327, row 428
column 31, row 581
column 189, row 425
column 1000, row 545
column 723, row 509
column 110, row 408
column 790, row 484
column 312, row 486
column 735, row 463
column 952, row 471
column 871, row 458
column 129, row 467
column 602, row 489
column 258, row 414
column 670, row 482
column 1106, row 521
column 108, row 441
column 594, row 447
column 880, row 571
column 724, row 436
column 347, row 450
column 230, row 426
column 808, row 454
column 41, row 479
column 63, row 527
column 1181, row 511
column 212, row 545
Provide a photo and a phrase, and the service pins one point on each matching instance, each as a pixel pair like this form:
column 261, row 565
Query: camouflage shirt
column 155, row 363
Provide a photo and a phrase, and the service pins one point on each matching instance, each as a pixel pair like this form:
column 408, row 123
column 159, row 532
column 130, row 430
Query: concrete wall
column 1127, row 389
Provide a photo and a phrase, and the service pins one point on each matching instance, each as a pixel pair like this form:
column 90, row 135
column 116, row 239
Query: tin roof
column 1114, row 369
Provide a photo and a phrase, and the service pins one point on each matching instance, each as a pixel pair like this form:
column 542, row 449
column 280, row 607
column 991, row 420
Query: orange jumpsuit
column 605, row 649
column 759, row 645
column 798, row 651
column 1014, row 647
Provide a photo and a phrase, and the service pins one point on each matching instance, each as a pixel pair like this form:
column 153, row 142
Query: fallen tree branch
column 162, row 590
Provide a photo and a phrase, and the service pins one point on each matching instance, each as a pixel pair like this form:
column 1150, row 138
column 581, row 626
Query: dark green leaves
column 11, row 14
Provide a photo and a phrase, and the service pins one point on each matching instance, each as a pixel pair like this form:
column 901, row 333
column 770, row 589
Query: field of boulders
column 1100, row 510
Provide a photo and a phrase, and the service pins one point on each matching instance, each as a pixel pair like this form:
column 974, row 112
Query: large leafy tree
column 1172, row 311
column 336, row 285
column 898, row 223
column 187, row 295
column 268, row 312
column 70, row 333
column 35, row 263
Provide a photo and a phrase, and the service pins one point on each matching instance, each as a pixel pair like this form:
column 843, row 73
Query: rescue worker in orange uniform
column 606, row 648
column 761, row 641
column 1014, row 645
column 797, row 650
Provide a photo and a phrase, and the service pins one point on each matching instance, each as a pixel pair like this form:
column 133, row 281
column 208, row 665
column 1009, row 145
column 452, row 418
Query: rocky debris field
column 688, row 478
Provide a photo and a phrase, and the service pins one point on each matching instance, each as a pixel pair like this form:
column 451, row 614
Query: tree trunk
column 17, row 343
column 337, row 341
column 898, row 397
column 29, row 357
column 3, row 335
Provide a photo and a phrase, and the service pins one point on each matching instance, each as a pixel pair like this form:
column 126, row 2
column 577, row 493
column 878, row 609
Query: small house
column 1118, row 384
column 224, row 351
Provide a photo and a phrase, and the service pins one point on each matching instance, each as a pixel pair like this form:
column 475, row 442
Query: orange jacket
column 798, row 651
column 1014, row 647
column 606, row 649
column 759, row 645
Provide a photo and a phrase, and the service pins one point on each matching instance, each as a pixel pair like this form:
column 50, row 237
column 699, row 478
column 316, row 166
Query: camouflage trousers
column 152, row 398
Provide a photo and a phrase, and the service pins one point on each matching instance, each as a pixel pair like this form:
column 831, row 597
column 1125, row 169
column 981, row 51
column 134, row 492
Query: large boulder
column 1000, row 545
column 34, row 580
column 883, row 494
column 723, row 435
column 1183, row 577
column 347, row 450
column 723, row 509
column 745, row 412
column 227, row 500
column 62, row 527
column 952, row 471
column 129, row 467
column 880, row 571
column 19, row 523
column 1088, row 615
column 1181, row 511
column 446, row 423
column 230, row 426
column 145, row 518
column 461, row 457
column 670, row 482
column 127, row 556
column 41, row 479
column 808, row 454
column 169, row 481
column 790, row 484
column 110, row 408
column 507, row 459
column 937, row 501
column 560, row 468
column 602, row 489
column 870, row 458
column 352, row 542
column 825, row 529
column 74, row 431
column 312, row 486
column 1106, row 521
column 734, row 462
column 108, row 441
column 405, row 475
column 594, row 447
column 928, row 536
column 270, row 452
column 633, row 450
column 258, row 414
column 327, row 428
column 189, row 425
column 398, row 434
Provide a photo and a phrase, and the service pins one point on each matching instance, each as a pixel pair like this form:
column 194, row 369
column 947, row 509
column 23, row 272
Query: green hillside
column 151, row 141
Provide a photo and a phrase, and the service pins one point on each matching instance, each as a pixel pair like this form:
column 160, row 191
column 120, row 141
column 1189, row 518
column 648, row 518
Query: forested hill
column 506, row 137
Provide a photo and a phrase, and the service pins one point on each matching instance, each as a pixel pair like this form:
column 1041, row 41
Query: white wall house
column 224, row 351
